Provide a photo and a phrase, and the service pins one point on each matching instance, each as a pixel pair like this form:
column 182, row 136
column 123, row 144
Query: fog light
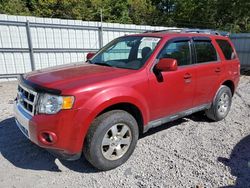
column 50, row 138
column 47, row 137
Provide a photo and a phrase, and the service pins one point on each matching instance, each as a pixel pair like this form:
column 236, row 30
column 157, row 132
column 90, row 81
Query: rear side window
column 205, row 51
column 179, row 51
column 226, row 49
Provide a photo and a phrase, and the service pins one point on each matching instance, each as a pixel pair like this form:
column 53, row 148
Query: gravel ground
column 190, row 152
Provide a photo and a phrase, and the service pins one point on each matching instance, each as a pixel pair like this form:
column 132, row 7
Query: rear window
column 205, row 51
column 226, row 49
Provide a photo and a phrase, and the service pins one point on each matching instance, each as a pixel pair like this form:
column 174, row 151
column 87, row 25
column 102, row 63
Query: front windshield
column 129, row 52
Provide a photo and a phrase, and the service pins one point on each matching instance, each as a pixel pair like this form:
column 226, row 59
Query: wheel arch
column 230, row 84
column 122, row 98
column 131, row 109
column 135, row 107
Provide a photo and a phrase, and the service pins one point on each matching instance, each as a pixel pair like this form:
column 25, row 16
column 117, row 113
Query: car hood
column 74, row 75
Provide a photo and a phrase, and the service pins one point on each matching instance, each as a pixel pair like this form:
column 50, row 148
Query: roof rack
column 205, row 31
column 188, row 30
column 175, row 30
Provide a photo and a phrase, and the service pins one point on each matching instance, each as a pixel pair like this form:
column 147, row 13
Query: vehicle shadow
column 239, row 163
column 245, row 71
column 22, row 153
column 199, row 117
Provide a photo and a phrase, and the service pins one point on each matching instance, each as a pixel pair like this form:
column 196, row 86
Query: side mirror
column 90, row 55
column 167, row 64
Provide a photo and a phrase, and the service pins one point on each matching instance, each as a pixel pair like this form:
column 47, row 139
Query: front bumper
column 67, row 126
column 22, row 119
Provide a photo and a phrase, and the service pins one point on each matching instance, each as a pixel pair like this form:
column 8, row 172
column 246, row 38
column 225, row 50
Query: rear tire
column 111, row 139
column 221, row 104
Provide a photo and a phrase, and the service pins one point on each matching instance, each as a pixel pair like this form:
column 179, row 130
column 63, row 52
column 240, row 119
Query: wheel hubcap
column 223, row 104
column 116, row 141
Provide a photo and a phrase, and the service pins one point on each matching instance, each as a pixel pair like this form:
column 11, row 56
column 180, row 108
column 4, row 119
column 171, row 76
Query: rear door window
column 226, row 49
column 205, row 51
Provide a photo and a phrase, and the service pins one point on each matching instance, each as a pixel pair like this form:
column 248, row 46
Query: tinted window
column 179, row 51
column 205, row 51
column 226, row 49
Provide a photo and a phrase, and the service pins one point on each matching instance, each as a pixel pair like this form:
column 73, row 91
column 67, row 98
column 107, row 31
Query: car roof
column 163, row 34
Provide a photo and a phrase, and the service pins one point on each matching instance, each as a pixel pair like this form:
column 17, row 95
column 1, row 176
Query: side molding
column 158, row 122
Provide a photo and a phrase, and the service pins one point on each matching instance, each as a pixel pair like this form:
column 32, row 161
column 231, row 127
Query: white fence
column 30, row 43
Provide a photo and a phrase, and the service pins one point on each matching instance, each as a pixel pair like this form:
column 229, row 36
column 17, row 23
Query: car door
column 173, row 92
column 209, row 69
column 230, row 58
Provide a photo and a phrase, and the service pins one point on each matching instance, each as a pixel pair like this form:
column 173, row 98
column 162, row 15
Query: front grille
column 27, row 99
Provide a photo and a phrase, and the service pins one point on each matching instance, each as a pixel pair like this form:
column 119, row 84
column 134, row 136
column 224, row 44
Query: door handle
column 218, row 69
column 187, row 76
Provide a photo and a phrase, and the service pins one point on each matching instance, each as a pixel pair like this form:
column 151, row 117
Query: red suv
column 134, row 83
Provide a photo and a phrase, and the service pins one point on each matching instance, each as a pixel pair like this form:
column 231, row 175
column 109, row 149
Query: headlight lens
column 51, row 104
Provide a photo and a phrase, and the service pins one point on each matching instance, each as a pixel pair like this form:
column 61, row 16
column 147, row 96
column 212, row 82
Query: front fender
column 111, row 96
column 106, row 98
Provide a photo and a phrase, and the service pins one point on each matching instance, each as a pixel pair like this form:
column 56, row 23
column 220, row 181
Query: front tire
column 221, row 104
column 111, row 139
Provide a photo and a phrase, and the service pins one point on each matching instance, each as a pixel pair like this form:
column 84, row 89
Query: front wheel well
column 131, row 109
column 230, row 84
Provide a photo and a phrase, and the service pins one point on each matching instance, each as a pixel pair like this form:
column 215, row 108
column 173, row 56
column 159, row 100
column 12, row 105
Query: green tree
column 233, row 15
column 13, row 7
column 140, row 11
column 230, row 15
column 163, row 12
column 56, row 8
column 195, row 13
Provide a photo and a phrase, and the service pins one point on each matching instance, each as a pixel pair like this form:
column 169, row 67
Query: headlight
column 51, row 104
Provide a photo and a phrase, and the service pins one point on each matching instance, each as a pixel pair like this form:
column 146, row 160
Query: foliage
column 229, row 15
column 13, row 7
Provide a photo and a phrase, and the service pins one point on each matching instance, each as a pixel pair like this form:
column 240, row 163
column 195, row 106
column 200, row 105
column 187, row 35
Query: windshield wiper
column 103, row 64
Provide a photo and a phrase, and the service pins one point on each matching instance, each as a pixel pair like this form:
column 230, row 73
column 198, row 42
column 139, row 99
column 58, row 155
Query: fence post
column 100, row 36
column 31, row 52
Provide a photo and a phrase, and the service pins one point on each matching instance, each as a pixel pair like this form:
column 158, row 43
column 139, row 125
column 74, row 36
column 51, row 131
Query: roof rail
column 174, row 30
column 205, row 31
column 188, row 30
